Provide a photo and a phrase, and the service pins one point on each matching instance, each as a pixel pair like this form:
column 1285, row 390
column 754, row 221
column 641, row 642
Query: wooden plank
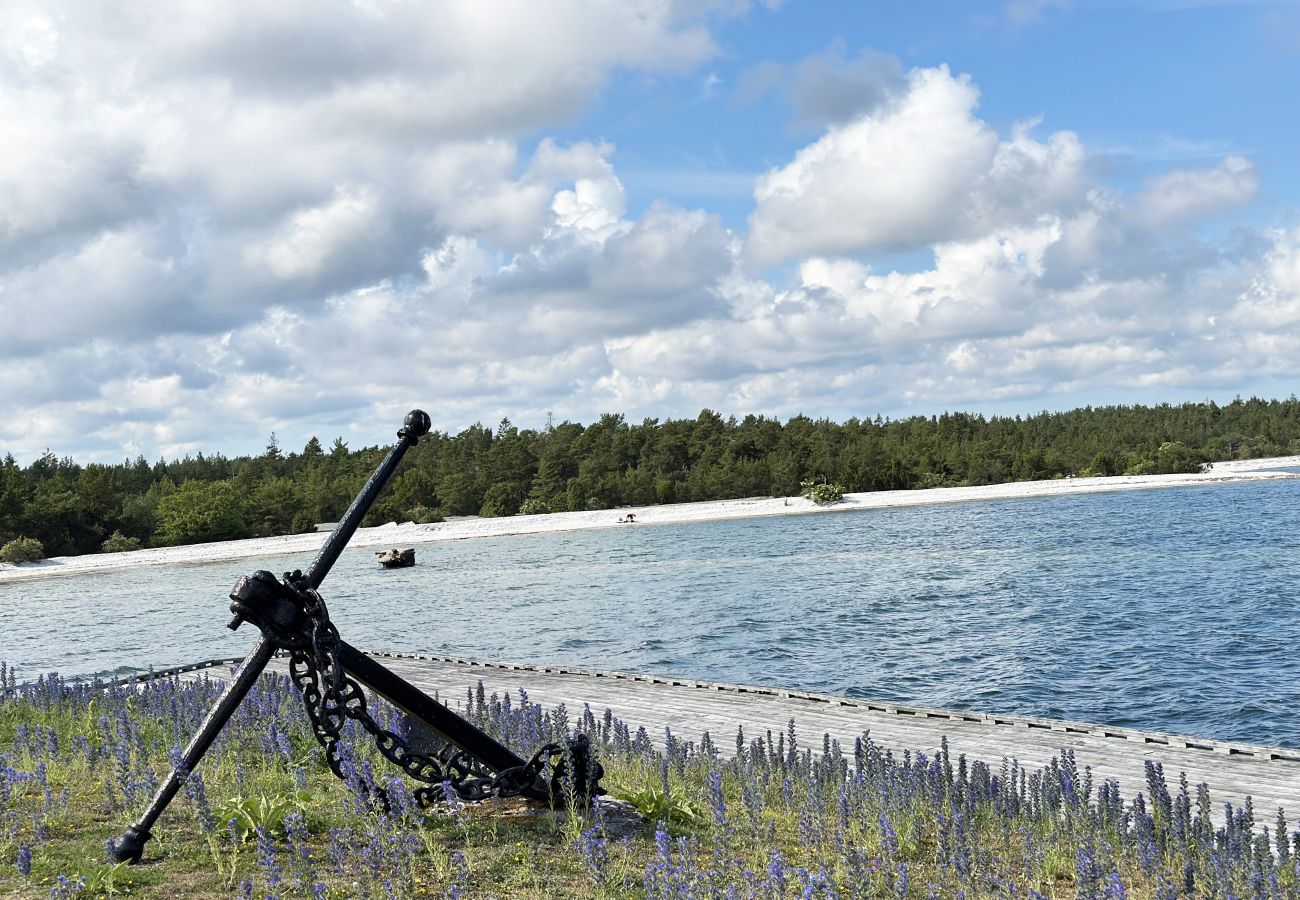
column 1233, row 771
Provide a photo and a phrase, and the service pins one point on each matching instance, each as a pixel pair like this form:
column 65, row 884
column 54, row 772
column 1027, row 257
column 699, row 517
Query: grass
column 264, row 817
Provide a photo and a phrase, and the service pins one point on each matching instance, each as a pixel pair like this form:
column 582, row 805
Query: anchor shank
column 347, row 526
column 442, row 721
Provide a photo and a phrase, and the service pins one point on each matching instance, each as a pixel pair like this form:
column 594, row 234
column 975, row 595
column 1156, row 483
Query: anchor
column 331, row 674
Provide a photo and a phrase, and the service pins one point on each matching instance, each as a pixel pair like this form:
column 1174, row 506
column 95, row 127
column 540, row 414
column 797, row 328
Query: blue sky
column 1147, row 85
column 218, row 221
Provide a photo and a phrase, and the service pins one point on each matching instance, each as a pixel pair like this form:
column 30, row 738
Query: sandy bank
column 393, row 535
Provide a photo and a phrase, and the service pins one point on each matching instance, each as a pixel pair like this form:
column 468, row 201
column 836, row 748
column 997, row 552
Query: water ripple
column 1170, row 610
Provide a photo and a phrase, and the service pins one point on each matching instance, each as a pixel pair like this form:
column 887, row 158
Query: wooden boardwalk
column 1270, row 775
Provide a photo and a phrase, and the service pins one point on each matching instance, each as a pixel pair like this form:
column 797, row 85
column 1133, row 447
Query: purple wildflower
column 296, row 837
column 592, row 846
column 717, row 802
column 268, row 862
column 1113, row 889
column 65, row 888
column 459, row 872
column 202, row 809
column 455, row 805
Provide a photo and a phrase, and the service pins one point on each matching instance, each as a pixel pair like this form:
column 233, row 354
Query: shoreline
column 392, row 534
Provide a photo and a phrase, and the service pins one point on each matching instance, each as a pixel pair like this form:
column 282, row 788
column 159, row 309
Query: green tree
column 70, row 508
column 558, row 462
column 55, row 518
column 13, row 498
column 98, row 494
column 200, row 511
column 501, row 500
column 410, row 496
column 140, row 511
column 271, row 507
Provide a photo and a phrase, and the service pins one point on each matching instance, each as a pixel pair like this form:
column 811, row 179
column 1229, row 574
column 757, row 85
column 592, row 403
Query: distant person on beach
column 629, row 520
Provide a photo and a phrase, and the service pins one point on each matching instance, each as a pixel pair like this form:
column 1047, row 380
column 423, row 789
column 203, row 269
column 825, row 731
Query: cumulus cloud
column 826, row 88
column 122, row 283
column 919, row 170
column 217, row 177
column 203, row 239
column 596, row 273
column 310, row 238
column 1271, row 303
column 998, row 317
column 1191, row 195
column 1284, row 263
column 306, row 149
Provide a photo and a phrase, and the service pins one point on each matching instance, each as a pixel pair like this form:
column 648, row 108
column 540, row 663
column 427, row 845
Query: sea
column 1172, row 610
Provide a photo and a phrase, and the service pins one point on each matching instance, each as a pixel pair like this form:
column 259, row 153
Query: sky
column 223, row 220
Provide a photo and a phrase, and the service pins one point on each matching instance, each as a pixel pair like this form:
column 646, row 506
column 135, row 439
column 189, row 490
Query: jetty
column 1233, row 771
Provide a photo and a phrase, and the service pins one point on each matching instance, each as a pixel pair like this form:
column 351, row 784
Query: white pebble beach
column 409, row 533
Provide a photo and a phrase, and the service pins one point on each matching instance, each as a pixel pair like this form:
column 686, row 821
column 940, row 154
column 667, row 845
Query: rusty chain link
column 331, row 697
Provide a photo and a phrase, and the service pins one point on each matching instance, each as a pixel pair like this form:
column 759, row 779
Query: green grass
column 776, row 821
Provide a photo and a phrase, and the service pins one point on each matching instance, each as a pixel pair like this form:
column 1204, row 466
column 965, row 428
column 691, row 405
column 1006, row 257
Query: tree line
column 67, row 508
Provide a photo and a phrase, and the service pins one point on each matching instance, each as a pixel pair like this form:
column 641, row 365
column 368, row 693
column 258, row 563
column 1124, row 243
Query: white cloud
column 471, row 188
column 593, row 209
column 1028, row 178
column 825, row 88
column 1271, row 303
column 1190, row 195
column 985, row 323
column 454, row 266
column 119, row 284
column 993, row 320
column 415, row 68
column 919, row 170
column 202, row 241
column 596, row 274
column 886, row 180
column 300, row 247
column 1026, row 12
column 288, row 127
column 1284, row 263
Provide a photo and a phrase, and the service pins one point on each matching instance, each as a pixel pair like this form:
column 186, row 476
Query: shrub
column 1103, row 464
column 424, row 515
column 119, row 543
column 1172, row 457
column 21, row 550
column 822, row 493
column 928, row 480
column 534, row 507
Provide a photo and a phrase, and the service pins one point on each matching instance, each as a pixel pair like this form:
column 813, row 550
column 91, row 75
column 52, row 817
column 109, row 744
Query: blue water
column 1174, row 610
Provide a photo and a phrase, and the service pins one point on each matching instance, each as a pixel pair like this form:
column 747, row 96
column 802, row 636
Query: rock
column 622, row 819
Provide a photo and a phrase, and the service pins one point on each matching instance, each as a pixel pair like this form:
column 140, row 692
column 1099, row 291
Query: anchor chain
column 331, row 697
